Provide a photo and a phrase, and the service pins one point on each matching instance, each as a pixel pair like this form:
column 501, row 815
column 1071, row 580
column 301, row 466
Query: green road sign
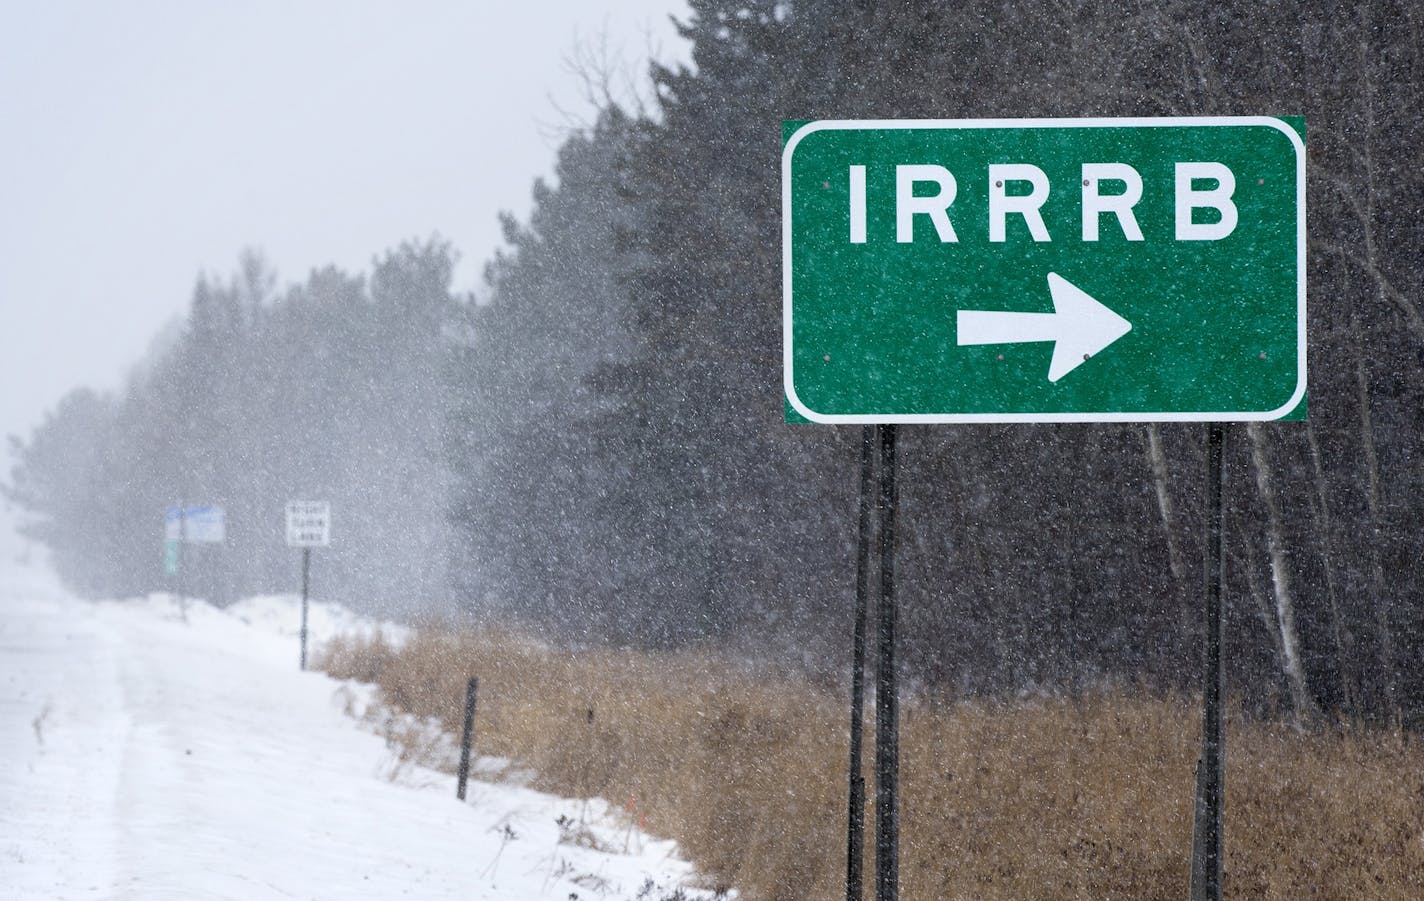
column 1044, row 270
column 171, row 556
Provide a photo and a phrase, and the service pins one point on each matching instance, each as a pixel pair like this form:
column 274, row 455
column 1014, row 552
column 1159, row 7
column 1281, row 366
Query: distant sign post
column 189, row 524
column 1043, row 270
column 308, row 526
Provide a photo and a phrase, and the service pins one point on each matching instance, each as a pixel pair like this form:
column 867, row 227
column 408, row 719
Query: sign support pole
column 1207, row 819
column 887, row 725
column 306, row 572
column 855, row 819
column 308, row 526
column 182, row 567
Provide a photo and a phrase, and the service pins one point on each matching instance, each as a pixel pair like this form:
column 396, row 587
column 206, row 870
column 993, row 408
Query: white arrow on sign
column 1079, row 327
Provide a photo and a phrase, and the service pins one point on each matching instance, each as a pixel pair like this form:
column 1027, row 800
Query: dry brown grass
column 1042, row 799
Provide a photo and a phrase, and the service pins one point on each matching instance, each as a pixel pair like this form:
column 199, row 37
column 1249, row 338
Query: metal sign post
column 189, row 524
column 182, row 539
column 308, row 526
column 855, row 815
column 887, row 689
column 306, row 577
column 1207, row 810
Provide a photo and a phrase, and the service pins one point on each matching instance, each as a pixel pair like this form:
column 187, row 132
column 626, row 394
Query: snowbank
column 158, row 750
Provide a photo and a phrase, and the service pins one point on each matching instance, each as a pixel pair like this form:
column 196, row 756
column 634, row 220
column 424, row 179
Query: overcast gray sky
column 145, row 142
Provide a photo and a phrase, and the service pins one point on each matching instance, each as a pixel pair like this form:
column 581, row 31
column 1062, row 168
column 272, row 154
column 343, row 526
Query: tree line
column 597, row 448
column 330, row 390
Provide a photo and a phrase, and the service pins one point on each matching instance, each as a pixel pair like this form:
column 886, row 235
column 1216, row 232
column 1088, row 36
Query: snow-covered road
column 145, row 756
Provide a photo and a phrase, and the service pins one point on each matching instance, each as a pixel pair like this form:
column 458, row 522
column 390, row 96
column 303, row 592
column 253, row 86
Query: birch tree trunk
column 1305, row 709
column 1264, row 612
column 1157, row 460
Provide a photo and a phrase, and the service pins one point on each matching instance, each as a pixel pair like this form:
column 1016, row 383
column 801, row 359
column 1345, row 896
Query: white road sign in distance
column 308, row 524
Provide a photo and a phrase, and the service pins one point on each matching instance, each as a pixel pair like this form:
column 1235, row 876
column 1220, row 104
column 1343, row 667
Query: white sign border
column 1126, row 122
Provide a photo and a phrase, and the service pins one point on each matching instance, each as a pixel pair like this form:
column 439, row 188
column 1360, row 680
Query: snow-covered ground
column 148, row 755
